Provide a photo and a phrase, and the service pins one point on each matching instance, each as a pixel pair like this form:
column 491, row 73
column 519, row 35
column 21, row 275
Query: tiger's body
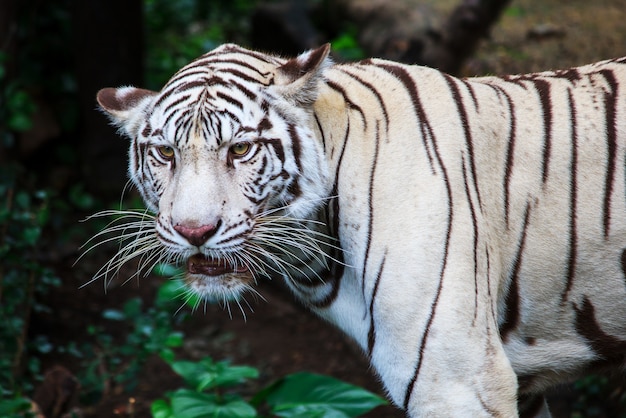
column 468, row 234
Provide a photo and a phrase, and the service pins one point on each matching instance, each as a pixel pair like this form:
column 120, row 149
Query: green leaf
column 188, row 370
column 226, row 375
column 132, row 308
column 167, row 355
column 80, row 198
column 161, row 409
column 308, row 394
column 191, row 404
column 30, row 235
column 13, row 406
column 207, row 374
column 167, row 270
column 170, row 290
column 20, row 122
column 174, row 339
column 176, row 289
column 113, row 315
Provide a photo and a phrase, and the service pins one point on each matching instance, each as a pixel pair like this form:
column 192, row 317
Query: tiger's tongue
column 199, row 264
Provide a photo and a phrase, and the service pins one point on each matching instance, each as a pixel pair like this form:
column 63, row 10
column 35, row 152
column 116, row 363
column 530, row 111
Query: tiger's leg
column 533, row 406
column 474, row 378
column 443, row 355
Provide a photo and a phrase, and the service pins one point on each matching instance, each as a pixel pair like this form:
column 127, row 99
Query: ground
column 280, row 337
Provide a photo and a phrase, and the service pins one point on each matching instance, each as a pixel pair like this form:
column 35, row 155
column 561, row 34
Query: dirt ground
column 280, row 337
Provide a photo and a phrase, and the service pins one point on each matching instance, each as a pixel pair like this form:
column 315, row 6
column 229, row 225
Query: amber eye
column 166, row 152
column 240, row 149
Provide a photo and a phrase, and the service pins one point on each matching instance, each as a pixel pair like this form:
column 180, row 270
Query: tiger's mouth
column 199, row 264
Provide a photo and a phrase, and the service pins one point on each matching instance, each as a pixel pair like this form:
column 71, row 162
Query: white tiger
column 468, row 234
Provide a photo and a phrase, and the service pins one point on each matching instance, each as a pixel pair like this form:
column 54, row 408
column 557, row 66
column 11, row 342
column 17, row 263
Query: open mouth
column 199, row 264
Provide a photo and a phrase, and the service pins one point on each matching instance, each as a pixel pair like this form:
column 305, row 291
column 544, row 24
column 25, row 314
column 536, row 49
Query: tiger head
column 222, row 155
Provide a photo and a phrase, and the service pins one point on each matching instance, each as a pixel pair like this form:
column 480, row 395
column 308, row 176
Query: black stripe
column 147, row 130
column 607, row 346
column 350, row 103
column 182, row 127
column 319, row 127
column 276, row 145
column 433, row 309
column 374, row 91
column 264, row 125
column 512, row 300
column 475, row 233
column 172, row 107
column 178, row 88
column 370, row 205
column 571, row 74
column 253, row 54
column 241, row 75
column 139, row 150
column 296, row 146
column 460, row 107
column 193, row 71
column 240, row 63
column 427, row 133
column 411, row 88
column 225, row 112
column 545, row 98
column 573, row 238
column 371, row 334
column 470, row 89
column 196, row 82
column 610, row 102
column 488, row 257
column 510, row 152
column 247, row 92
column 334, row 276
column 230, row 100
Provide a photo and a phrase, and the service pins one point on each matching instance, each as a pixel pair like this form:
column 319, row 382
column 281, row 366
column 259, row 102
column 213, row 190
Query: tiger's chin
column 212, row 278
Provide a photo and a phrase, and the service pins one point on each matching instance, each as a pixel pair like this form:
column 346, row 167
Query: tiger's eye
column 240, row 149
column 166, row 151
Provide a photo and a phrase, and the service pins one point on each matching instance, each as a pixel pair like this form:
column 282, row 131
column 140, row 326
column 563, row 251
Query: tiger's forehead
column 215, row 97
column 229, row 67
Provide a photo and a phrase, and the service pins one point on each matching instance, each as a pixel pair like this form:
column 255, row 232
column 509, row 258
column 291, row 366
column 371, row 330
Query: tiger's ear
column 125, row 106
column 297, row 79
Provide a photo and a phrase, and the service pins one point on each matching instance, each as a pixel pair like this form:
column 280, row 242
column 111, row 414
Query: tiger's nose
column 197, row 235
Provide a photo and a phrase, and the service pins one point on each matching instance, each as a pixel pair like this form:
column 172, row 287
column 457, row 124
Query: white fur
column 443, row 216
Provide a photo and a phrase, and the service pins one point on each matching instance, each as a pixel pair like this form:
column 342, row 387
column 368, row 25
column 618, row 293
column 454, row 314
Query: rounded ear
column 124, row 106
column 298, row 78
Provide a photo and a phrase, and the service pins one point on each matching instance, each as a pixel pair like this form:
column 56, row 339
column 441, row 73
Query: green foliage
column 23, row 216
column 297, row 395
column 516, row 11
column 17, row 407
column 107, row 362
column 42, row 66
column 174, row 289
column 177, row 32
column 347, row 45
column 313, row 395
column 593, row 393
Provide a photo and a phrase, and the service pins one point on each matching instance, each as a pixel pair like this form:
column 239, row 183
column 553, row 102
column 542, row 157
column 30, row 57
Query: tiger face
column 219, row 175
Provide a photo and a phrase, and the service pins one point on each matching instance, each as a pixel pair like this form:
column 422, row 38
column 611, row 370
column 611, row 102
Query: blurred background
column 98, row 351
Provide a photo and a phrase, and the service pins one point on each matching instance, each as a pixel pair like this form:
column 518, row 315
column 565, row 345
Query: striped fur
column 468, row 234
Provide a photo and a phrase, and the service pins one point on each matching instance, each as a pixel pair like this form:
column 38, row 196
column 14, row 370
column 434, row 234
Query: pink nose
column 197, row 235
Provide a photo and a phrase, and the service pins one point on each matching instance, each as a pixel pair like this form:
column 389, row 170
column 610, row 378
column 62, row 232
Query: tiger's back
column 531, row 171
column 478, row 225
